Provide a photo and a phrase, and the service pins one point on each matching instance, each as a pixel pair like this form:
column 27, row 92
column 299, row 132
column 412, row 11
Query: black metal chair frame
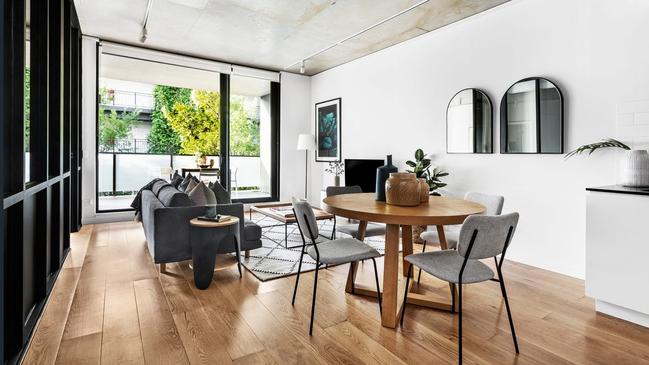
column 500, row 280
column 317, row 267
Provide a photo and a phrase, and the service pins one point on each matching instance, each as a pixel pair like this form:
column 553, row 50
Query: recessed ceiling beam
column 302, row 61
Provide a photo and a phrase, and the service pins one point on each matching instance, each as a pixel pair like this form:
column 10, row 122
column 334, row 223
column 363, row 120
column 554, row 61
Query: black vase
column 382, row 175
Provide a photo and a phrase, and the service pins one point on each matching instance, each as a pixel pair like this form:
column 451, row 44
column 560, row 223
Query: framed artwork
column 327, row 127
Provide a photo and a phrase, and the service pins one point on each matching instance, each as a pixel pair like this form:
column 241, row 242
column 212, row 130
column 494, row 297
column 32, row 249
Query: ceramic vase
column 423, row 190
column 337, row 180
column 403, row 188
column 634, row 168
column 382, row 175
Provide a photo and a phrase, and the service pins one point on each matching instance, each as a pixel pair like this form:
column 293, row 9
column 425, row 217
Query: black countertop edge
column 621, row 190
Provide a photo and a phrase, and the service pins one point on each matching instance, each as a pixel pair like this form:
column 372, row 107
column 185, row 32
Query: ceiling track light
column 145, row 33
column 303, row 67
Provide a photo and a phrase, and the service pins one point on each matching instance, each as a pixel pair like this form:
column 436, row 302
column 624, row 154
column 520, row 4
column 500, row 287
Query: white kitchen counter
column 617, row 252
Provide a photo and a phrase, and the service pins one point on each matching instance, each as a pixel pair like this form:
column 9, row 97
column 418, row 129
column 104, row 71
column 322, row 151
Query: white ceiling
column 271, row 34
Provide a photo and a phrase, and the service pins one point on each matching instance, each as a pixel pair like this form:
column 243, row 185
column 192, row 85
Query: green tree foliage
column 162, row 137
column 197, row 124
column 114, row 126
column 244, row 131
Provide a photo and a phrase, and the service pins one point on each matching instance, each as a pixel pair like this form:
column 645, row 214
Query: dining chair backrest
column 339, row 190
column 492, row 235
column 305, row 219
column 493, row 203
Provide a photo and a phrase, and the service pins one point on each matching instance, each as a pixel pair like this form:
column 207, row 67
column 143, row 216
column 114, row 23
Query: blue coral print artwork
column 328, row 130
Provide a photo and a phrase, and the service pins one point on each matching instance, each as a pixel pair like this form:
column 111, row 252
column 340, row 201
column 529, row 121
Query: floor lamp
column 306, row 142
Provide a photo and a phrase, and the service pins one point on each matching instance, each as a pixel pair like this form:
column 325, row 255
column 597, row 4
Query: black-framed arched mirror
column 469, row 123
column 531, row 117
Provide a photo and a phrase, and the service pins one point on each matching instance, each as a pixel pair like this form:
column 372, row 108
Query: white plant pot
column 634, row 168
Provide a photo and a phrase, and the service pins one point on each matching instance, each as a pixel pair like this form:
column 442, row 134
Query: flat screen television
column 362, row 173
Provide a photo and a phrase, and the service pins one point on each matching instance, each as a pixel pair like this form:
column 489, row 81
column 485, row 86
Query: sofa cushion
column 172, row 197
column 192, row 184
column 157, row 186
column 251, row 231
column 202, row 195
column 222, row 195
column 185, row 182
column 176, row 180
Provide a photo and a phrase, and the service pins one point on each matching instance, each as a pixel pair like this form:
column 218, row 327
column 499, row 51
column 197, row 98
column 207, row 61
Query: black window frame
column 224, row 156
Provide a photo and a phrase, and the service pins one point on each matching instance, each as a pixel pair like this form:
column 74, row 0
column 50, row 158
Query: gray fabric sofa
column 166, row 213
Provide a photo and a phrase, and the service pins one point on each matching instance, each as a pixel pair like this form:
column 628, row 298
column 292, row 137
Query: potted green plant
column 634, row 167
column 421, row 167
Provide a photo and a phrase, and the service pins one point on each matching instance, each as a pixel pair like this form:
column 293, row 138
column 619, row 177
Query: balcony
column 124, row 169
column 129, row 100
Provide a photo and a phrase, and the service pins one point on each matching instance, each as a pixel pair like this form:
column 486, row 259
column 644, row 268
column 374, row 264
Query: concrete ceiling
column 275, row 34
column 154, row 73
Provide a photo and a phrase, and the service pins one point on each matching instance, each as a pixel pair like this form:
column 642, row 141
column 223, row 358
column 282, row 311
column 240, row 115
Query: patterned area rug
column 273, row 260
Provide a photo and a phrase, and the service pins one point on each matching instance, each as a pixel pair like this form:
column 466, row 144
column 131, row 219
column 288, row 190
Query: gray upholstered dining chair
column 372, row 229
column 328, row 252
column 481, row 237
column 494, row 206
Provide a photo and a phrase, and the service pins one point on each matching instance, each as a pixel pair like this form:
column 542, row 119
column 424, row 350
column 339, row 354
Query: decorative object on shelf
column 210, row 212
column 421, row 167
column 469, row 123
column 402, row 188
column 336, row 168
column 382, row 175
column 327, row 126
column 201, row 160
column 634, row 167
column 592, row 147
column 305, row 142
column 531, row 117
column 211, row 162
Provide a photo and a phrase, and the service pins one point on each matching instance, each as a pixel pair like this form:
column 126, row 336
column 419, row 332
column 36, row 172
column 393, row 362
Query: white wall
column 394, row 101
column 295, row 118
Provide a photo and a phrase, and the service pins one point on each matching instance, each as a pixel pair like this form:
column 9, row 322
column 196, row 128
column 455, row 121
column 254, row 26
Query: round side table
column 205, row 237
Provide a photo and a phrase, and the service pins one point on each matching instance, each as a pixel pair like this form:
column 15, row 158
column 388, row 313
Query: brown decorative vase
column 416, row 233
column 423, row 192
column 402, row 188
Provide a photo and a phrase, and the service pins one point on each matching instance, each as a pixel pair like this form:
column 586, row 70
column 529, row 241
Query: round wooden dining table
column 438, row 211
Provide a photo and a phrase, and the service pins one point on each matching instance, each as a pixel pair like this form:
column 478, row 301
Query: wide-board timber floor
column 111, row 306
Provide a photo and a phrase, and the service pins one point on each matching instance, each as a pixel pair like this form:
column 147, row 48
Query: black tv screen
column 362, row 173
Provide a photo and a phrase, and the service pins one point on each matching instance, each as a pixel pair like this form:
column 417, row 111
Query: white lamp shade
column 305, row 142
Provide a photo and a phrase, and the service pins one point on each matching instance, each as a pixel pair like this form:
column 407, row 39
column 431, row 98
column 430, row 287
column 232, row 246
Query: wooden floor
column 111, row 306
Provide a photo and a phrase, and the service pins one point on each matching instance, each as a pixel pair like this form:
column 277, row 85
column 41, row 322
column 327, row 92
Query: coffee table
column 283, row 213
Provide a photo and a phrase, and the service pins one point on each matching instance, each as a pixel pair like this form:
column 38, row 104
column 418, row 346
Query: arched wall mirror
column 531, row 117
column 469, row 123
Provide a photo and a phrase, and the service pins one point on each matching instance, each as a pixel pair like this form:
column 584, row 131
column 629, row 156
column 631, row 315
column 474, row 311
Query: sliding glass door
column 155, row 118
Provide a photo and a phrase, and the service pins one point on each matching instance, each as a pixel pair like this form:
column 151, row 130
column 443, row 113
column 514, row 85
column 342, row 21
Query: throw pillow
column 202, row 195
column 222, row 195
column 176, row 180
column 185, row 182
column 192, row 184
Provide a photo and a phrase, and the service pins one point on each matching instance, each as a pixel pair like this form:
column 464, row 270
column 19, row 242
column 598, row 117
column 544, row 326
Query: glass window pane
column 153, row 117
column 27, row 90
column 250, row 138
